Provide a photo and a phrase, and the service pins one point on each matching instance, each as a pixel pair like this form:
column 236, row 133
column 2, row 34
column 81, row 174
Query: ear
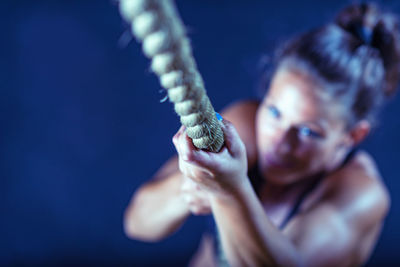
column 359, row 132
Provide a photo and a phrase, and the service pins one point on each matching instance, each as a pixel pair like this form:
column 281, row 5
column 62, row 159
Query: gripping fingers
column 194, row 197
column 189, row 153
column 232, row 139
column 175, row 139
column 187, row 149
column 193, row 162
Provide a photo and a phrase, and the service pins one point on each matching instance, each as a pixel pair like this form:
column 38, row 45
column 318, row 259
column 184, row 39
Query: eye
column 307, row 132
column 274, row 111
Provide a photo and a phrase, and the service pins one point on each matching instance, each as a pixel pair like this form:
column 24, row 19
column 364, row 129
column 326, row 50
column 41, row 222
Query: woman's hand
column 195, row 198
column 219, row 173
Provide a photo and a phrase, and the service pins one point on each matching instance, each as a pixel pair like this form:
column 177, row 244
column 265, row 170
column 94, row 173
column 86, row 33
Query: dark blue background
column 82, row 126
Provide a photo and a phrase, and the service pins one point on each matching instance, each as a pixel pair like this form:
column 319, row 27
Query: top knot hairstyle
column 357, row 57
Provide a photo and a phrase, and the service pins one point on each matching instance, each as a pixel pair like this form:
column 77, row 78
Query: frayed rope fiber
column 156, row 23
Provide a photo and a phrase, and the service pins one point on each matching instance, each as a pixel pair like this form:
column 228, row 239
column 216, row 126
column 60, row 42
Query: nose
column 288, row 141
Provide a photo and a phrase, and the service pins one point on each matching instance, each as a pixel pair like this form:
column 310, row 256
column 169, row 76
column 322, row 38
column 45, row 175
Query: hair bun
column 377, row 29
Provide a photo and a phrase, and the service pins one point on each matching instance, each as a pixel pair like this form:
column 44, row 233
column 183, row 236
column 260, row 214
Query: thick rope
column 157, row 25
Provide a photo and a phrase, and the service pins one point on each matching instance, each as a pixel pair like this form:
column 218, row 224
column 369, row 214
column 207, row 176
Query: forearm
column 248, row 237
column 156, row 210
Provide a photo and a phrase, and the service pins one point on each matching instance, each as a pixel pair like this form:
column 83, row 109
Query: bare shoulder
column 342, row 223
column 242, row 114
column 358, row 191
column 238, row 107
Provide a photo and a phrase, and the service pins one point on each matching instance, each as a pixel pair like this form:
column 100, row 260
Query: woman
column 290, row 187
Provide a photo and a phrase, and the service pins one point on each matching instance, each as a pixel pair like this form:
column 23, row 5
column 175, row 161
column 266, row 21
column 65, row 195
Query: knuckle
column 227, row 122
column 181, row 166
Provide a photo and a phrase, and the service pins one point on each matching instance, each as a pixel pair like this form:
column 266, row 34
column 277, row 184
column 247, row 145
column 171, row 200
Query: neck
column 340, row 158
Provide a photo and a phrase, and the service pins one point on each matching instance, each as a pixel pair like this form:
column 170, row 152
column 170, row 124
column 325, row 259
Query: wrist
column 233, row 193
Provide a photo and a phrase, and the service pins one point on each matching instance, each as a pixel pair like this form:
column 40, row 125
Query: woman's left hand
column 217, row 173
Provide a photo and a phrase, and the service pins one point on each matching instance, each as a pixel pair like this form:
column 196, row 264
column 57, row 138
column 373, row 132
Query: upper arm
column 322, row 237
column 350, row 214
column 204, row 255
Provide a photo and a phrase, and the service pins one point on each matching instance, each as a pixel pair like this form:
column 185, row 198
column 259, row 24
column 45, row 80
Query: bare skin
column 290, row 137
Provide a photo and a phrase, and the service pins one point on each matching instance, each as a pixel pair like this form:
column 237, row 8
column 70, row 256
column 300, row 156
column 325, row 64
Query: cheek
column 266, row 130
column 315, row 157
column 307, row 155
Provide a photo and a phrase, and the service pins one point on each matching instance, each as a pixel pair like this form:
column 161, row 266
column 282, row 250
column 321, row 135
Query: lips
column 272, row 161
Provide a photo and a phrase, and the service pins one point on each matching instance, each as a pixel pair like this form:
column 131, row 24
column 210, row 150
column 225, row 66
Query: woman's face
column 300, row 130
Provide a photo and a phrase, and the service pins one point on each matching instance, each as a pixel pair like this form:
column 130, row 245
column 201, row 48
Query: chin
column 280, row 176
column 284, row 180
column 285, row 175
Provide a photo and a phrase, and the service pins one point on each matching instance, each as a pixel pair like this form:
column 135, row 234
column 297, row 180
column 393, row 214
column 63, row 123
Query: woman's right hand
column 195, row 197
column 192, row 194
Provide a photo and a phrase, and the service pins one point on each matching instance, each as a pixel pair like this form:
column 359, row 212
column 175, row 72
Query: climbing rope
column 157, row 25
